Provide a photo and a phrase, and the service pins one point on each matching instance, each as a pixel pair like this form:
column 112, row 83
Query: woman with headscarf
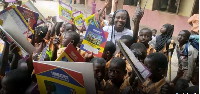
column 163, row 41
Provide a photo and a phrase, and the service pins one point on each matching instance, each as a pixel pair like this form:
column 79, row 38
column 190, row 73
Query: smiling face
column 120, row 20
column 145, row 36
column 116, row 73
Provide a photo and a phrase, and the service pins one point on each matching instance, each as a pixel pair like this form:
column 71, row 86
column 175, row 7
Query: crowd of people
column 112, row 72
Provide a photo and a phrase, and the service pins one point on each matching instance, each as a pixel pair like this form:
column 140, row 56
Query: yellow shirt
column 150, row 50
column 153, row 88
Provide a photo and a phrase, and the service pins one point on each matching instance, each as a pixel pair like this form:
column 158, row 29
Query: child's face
column 99, row 71
column 145, row 36
column 66, row 40
column 37, row 38
column 110, row 19
column 154, row 33
column 120, row 20
column 163, row 29
column 152, row 68
column 116, row 73
column 7, row 87
column 182, row 37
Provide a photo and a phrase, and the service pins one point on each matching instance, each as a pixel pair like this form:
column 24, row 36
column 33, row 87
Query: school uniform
column 150, row 50
column 110, row 88
column 153, row 88
column 188, row 62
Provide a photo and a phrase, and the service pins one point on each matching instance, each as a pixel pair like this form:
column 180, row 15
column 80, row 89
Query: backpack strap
column 185, row 51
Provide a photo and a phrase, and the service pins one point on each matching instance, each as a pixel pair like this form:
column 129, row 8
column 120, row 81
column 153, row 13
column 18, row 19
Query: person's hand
column 88, row 57
column 81, row 29
column 56, row 42
column 138, row 13
column 180, row 72
column 167, row 89
column 107, row 3
column 13, row 48
column 116, row 1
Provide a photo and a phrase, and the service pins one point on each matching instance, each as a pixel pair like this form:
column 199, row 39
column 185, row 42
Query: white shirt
column 118, row 35
column 153, row 42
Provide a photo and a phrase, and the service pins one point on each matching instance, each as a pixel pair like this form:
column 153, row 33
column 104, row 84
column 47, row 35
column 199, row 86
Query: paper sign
column 78, row 18
column 70, row 54
column 16, row 35
column 86, row 69
column 53, row 79
column 91, row 20
column 143, row 70
column 65, row 11
column 30, row 16
column 30, row 6
column 94, row 41
column 18, row 19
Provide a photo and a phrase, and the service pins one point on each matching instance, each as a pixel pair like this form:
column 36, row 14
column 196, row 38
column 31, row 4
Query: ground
column 50, row 8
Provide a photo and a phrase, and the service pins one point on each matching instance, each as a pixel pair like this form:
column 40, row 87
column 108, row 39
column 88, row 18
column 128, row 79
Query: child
column 181, row 85
column 72, row 37
column 157, row 65
column 99, row 65
column 109, row 51
column 154, row 31
column 116, row 73
column 16, row 82
column 145, row 35
column 187, row 61
column 165, row 37
column 139, row 50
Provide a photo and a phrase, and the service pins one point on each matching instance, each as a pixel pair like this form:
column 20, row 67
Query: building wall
column 155, row 19
column 186, row 7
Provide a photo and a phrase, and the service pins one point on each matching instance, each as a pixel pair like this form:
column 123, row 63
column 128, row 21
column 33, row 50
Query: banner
column 94, row 41
column 54, row 79
column 30, row 16
column 70, row 54
column 65, row 11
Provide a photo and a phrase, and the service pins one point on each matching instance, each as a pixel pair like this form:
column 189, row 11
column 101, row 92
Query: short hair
column 98, row 61
column 19, row 78
column 187, row 33
column 181, row 85
column 147, row 29
column 42, row 31
column 192, row 89
column 127, row 37
column 154, row 30
column 74, row 36
column 158, row 59
column 110, row 46
column 119, row 61
column 138, row 46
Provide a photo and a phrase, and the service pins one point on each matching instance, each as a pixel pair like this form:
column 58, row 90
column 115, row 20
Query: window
column 195, row 8
column 131, row 2
column 167, row 5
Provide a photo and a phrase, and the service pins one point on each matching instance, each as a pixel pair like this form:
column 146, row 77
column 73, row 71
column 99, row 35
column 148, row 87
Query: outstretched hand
column 13, row 48
column 107, row 3
column 138, row 13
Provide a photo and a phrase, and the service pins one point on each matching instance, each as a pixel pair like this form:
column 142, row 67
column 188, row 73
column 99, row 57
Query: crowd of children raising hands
column 112, row 72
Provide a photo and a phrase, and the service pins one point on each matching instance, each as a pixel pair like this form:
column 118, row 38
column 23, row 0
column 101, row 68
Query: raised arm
column 14, row 63
column 56, row 42
column 102, row 10
column 4, row 56
column 136, row 20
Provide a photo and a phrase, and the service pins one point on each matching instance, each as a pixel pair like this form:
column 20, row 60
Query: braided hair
column 127, row 25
